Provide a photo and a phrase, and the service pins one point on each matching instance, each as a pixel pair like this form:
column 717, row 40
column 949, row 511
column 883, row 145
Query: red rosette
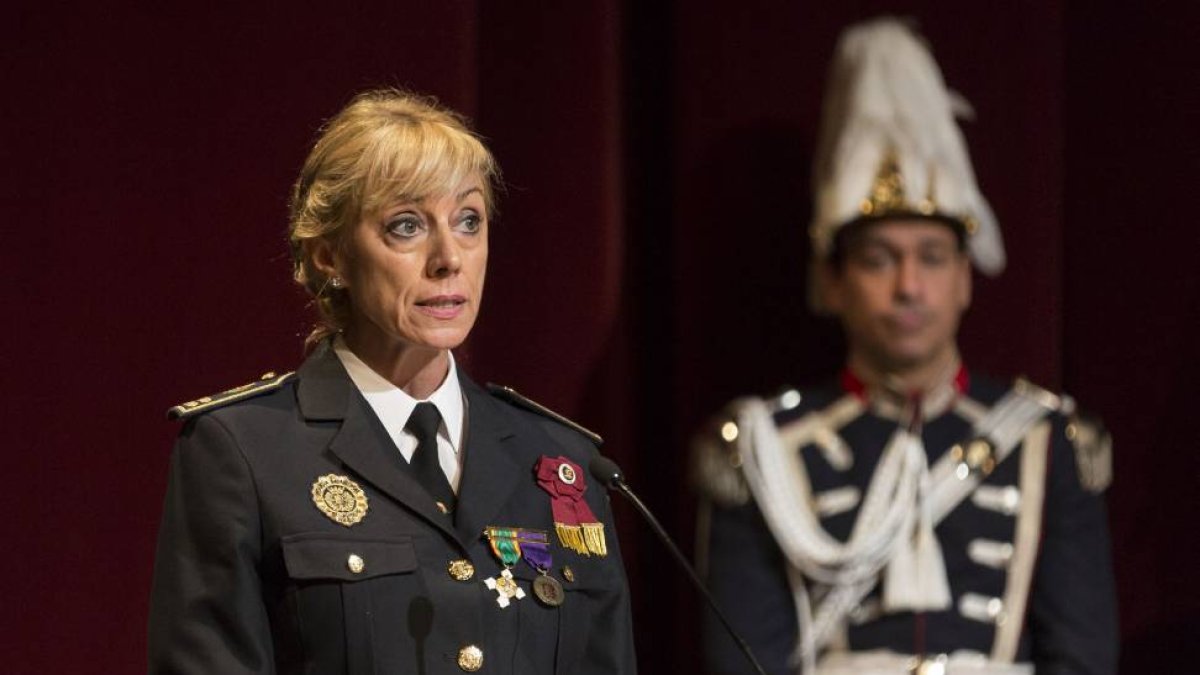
column 577, row 527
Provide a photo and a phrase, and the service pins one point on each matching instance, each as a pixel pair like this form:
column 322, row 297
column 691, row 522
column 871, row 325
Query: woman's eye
column 404, row 227
column 470, row 223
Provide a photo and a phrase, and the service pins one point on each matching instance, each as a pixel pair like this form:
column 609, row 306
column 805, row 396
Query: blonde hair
column 386, row 145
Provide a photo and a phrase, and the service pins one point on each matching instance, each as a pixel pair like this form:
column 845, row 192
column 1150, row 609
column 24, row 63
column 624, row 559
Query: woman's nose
column 444, row 258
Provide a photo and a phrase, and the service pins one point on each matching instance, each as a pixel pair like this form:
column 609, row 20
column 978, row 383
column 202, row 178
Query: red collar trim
column 852, row 384
column 962, row 380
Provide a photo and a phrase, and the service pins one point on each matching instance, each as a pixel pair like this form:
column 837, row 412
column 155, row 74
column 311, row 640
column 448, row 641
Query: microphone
column 609, row 474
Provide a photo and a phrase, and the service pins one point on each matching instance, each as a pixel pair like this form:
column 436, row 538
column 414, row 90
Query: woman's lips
column 442, row 306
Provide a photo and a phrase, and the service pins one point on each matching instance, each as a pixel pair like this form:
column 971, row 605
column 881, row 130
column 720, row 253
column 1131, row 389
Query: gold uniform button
column 355, row 564
column 470, row 658
column 461, row 570
column 568, row 573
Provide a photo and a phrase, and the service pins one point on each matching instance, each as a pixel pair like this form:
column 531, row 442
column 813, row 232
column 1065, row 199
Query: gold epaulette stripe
column 268, row 382
column 509, row 394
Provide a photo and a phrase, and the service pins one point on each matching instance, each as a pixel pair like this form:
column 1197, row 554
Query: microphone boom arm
column 613, row 479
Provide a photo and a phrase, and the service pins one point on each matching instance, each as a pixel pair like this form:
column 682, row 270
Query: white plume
column 886, row 94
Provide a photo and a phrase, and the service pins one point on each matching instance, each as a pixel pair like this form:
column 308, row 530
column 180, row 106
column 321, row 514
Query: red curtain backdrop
column 649, row 263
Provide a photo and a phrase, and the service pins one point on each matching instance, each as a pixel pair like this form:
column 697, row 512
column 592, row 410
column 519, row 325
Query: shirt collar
column 394, row 406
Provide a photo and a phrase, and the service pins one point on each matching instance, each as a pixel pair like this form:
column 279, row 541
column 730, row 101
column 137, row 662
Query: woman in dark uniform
column 377, row 511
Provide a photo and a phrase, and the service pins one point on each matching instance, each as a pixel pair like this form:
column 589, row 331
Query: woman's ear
column 323, row 255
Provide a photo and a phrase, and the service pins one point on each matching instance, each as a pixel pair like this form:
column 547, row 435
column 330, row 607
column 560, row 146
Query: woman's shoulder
column 269, row 383
column 535, row 421
column 542, row 415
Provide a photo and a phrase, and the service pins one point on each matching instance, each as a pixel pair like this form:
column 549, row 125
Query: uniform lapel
column 326, row 393
column 490, row 471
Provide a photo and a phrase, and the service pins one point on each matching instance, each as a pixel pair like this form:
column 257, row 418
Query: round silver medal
column 548, row 591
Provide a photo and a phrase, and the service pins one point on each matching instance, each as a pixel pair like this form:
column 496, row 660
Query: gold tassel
column 571, row 537
column 594, row 535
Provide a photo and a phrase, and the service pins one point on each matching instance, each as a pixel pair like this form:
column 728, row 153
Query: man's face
column 900, row 293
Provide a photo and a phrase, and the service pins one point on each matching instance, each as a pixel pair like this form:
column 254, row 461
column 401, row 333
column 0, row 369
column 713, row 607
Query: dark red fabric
column 566, row 498
column 649, row 264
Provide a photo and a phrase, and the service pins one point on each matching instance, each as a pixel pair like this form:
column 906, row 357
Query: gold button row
column 459, row 570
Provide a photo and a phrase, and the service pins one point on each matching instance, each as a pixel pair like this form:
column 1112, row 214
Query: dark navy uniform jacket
column 1068, row 625
column 251, row 577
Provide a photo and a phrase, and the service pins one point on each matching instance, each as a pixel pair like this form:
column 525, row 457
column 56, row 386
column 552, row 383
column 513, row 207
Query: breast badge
column 340, row 499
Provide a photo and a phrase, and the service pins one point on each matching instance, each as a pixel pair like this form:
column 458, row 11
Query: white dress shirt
column 393, row 407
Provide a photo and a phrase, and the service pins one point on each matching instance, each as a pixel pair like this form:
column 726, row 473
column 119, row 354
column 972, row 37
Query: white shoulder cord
column 780, row 484
column 902, row 492
column 779, row 480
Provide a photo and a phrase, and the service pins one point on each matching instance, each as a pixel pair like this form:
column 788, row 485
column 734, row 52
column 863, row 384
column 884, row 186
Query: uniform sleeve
column 206, row 609
column 1073, row 608
column 746, row 575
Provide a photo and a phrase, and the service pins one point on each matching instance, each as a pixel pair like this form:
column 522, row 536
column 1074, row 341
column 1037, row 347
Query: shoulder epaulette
column 509, row 394
column 715, row 470
column 1089, row 439
column 268, row 382
column 1093, row 447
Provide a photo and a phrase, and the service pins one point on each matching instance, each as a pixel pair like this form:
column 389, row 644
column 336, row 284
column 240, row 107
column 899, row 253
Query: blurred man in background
column 916, row 517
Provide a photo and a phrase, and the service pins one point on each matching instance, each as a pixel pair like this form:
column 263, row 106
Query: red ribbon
column 554, row 475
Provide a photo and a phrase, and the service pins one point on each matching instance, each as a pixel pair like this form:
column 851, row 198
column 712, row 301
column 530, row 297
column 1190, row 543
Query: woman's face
column 414, row 270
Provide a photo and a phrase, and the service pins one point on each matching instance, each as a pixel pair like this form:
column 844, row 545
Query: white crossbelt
column 905, row 497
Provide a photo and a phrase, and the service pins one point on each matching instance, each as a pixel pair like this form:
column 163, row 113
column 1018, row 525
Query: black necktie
column 424, row 423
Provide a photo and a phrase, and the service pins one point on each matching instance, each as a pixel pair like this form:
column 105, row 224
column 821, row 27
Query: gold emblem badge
column 566, row 474
column 340, row 499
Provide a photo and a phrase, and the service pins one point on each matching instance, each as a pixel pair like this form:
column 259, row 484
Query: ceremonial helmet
column 890, row 146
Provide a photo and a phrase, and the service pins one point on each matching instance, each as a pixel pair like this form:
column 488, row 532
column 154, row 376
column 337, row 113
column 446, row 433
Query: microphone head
column 606, row 471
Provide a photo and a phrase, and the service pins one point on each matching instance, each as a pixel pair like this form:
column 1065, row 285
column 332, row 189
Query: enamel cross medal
column 505, row 545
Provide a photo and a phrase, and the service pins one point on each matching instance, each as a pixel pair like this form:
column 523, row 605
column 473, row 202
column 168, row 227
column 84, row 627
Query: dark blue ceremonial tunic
column 1070, row 621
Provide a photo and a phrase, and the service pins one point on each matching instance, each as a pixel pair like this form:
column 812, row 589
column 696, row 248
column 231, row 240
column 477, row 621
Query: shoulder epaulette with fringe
column 509, row 394
column 1090, row 440
column 267, row 383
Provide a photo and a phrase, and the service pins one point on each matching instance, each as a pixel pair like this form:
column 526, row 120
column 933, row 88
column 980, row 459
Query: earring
column 336, row 282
